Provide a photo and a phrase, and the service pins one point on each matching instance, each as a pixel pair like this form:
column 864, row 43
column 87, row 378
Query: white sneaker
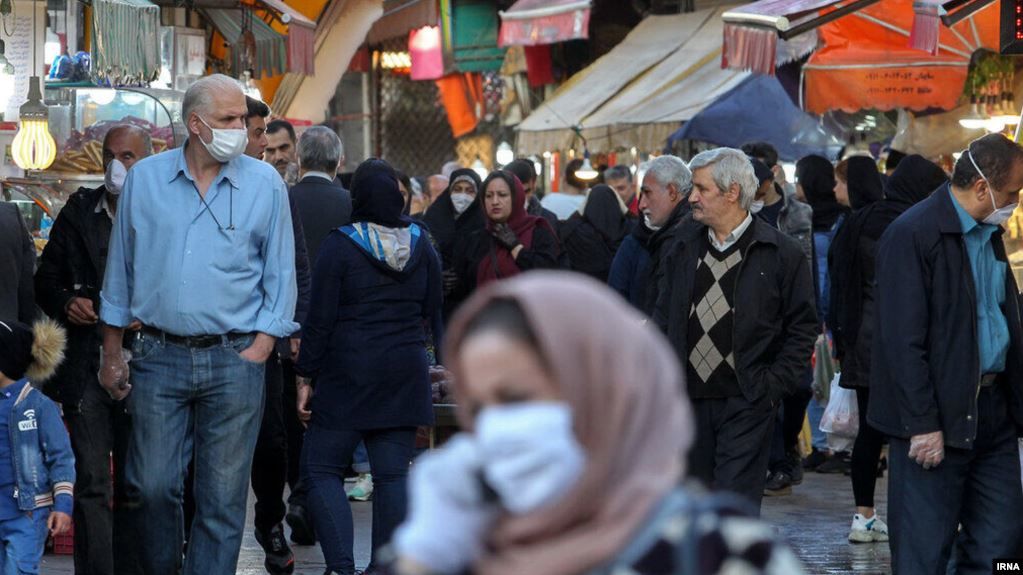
column 363, row 489
column 865, row 530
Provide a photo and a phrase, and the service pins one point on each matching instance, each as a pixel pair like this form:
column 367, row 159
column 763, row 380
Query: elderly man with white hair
column 202, row 254
column 736, row 299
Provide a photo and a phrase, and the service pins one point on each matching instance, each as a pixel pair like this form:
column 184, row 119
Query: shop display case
column 81, row 116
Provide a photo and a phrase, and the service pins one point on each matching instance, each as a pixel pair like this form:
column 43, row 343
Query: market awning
column 759, row 110
column 866, row 63
column 340, row 32
column 752, row 31
column 663, row 73
column 401, row 16
column 301, row 36
column 533, row 22
column 267, row 50
column 126, row 45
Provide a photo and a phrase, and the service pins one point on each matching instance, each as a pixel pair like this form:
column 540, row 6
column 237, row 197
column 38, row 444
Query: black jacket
column 17, row 262
column 544, row 253
column 658, row 245
column 925, row 372
column 775, row 314
column 72, row 265
column 322, row 206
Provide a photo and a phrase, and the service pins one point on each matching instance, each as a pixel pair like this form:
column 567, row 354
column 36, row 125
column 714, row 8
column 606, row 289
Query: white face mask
column 530, row 454
column 227, row 143
column 113, row 180
column 1000, row 215
column 756, row 206
column 462, row 201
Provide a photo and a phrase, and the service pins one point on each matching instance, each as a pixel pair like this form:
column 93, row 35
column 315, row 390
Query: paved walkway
column 814, row 519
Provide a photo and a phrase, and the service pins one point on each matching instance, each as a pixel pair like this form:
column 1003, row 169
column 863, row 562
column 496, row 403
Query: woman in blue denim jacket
column 37, row 468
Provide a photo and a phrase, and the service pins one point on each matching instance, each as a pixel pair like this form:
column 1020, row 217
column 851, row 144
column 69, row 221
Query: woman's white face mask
column 531, row 457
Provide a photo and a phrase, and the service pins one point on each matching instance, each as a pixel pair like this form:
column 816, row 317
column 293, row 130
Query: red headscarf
column 498, row 262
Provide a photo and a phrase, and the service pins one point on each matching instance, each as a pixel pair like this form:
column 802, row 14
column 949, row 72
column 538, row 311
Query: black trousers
column 295, row 433
column 790, row 424
column 733, row 443
column 977, row 488
column 104, row 532
column 866, row 454
column 270, row 461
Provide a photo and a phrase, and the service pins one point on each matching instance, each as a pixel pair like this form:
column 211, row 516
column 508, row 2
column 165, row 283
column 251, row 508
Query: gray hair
column 147, row 139
column 730, row 166
column 618, row 172
column 670, row 170
column 199, row 96
column 319, row 150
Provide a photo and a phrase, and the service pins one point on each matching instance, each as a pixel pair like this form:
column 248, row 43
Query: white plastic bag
column 841, row 416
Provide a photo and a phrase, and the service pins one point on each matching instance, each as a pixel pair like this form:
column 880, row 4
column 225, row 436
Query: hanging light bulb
column 33, row 147
column 586, row 171
column 505, row 154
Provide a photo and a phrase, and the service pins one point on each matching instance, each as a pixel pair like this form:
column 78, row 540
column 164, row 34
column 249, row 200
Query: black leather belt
column 194, row 341
column 989, row 379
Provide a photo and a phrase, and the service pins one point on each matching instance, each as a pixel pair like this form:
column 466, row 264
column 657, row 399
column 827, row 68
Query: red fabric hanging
column 538, row 65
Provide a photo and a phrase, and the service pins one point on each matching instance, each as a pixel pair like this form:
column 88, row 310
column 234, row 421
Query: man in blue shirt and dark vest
column 948, row 365
column 203, row 256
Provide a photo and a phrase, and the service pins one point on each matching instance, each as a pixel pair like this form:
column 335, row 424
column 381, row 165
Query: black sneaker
column 301, row 527
column 779, row 483
column 815, row 459
column 279, row 558
column 837, row 463
column 795, row 467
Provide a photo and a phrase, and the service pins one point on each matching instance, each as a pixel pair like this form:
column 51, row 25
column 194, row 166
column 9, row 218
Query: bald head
column 127, row 143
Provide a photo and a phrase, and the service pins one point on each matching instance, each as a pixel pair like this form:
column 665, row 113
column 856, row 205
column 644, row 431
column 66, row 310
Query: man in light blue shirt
column 202, row 255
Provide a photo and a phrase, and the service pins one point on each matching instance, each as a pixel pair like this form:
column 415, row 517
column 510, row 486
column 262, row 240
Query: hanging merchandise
column 462, row 96
column 126, row 41
column 470, row 35
column 539, row 69
column 424, row 48
column 254, row 44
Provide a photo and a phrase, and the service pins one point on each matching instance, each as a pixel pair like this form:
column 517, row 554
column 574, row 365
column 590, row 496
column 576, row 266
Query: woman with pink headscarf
column 576, row 429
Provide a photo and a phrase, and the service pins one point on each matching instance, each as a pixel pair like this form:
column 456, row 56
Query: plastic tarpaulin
column 533, row 22
column 271, row 52
column 126, row 49
column 866, row 61
column 665, row 71
column 759, row 109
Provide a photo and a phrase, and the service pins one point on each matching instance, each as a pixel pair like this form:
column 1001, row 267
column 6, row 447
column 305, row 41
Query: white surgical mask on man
column 756, row 206
column 461, row 201
column 1000, row 215
column 113, row 179
column 226, row 143
column 531, row 457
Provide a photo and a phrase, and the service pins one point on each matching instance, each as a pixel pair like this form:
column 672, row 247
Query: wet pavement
column 814, row 519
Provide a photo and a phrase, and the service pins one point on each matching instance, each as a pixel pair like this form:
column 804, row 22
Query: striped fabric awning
column 126, row 46
column 271, row 52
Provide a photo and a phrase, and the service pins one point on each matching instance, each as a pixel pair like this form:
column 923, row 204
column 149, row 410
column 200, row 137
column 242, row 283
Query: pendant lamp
column 33, row 147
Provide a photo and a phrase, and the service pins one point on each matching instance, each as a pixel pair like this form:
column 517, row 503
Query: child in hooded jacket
column 37, row 467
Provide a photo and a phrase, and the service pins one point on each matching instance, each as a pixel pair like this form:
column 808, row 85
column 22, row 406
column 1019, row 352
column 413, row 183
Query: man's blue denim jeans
column 209, row 400
column 325, row 455
column 21, row 542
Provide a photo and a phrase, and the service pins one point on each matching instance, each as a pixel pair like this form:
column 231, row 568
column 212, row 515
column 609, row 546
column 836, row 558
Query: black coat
column 322, row 206
column 658, row 245
column 543, row 253
column 775, row 324
column 449, row 230
column 17, row 262
column 591, row 239
column 72, row 265
column 365, row 338
column 925, row 372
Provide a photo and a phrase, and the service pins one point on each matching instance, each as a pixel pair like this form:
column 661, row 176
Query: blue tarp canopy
column 759, row 109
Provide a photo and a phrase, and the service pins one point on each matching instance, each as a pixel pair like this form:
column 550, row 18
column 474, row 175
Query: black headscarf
column 445, row 225
column 817, row 177
column 375, row 195
column 914, row 180
column 865, row 186
column 604, row 212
